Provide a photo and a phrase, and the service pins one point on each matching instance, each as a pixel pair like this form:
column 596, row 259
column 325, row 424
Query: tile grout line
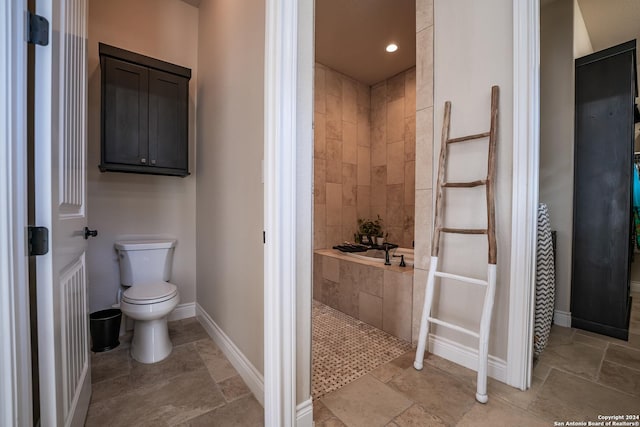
column 624, row 366
column 604, row 355
column 592, row 381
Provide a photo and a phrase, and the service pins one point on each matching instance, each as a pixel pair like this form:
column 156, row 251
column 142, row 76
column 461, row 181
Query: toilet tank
column 145, row 261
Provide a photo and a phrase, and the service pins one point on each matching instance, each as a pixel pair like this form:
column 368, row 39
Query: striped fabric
column 545, row 282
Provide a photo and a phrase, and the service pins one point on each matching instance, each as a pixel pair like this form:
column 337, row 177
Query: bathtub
column 366, row 289
column 378, row 255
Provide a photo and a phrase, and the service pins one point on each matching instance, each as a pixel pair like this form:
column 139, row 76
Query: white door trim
column 281, row 60
column 15, row 348
column 526, row 143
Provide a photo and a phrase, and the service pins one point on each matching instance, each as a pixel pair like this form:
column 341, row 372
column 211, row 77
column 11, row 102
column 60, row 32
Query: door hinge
column 38, row 240
column 38, row 29
column 264, row 237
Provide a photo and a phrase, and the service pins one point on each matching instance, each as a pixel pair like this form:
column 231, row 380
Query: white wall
column 127, row 205
column 562, row 34
column 230, row 193
column 472, row 52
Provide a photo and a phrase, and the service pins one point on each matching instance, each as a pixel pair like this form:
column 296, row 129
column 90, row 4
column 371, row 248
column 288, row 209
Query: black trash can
column 105, row 329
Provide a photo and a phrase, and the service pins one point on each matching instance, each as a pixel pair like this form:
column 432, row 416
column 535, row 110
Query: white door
column 60, row 179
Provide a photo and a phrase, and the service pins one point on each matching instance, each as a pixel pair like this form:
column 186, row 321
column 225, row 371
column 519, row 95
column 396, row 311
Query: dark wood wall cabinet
column 145, row 113
column 605, row 94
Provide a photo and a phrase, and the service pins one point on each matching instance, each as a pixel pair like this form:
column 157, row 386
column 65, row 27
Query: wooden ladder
column 490, row 283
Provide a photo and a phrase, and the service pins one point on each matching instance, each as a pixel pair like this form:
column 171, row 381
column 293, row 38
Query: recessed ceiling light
column 391, row 47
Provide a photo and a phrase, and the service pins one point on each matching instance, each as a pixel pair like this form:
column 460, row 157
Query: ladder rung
column 461, row 278
column 468, row 137
column 464, row 230
column 454, row 327
column 465, row 184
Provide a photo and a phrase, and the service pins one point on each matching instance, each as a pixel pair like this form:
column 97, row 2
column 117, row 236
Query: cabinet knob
column 153, row 162
column 143, row 161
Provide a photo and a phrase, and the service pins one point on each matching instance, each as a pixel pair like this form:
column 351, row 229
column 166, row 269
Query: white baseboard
column 304, row 414
column 562, row 318
column 635, row 286
column 251, row 376
column 183, row 311
column 466, row 356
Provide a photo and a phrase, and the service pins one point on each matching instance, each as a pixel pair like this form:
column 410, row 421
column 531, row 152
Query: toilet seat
column 150, row 293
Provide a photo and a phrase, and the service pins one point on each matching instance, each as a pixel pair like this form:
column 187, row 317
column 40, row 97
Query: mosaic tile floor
column 344, row 349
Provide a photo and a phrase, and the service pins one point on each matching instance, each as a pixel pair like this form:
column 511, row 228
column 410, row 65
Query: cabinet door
column 125, row 114
column 605, row 93
column 168, row 116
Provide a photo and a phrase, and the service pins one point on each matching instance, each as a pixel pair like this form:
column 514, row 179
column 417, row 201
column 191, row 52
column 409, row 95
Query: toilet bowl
column 145, row 268
column 149, row 305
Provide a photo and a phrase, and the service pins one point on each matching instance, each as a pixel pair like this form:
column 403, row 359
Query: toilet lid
column 150, row 293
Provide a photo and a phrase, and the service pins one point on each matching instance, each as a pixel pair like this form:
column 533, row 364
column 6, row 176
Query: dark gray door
column 126, row 113
column 168, row 98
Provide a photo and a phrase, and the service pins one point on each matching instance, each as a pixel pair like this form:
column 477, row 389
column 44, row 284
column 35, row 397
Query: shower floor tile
column 345, row 349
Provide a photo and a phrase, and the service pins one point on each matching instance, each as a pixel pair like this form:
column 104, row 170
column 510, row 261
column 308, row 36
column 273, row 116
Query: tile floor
column 344, row 349
column 195, row 386
column 579, row 376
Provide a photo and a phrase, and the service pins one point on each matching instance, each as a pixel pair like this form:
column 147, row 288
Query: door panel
column 125, row 126
column 168, row 120
column 605, row 94
column 60, row 205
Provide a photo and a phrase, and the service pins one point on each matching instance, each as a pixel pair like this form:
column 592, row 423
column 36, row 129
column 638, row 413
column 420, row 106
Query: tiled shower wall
column 342, row 156
column 364, row 159
column 393, row 155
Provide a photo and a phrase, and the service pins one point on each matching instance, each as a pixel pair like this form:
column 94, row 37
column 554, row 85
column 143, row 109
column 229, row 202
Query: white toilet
column 145, row 268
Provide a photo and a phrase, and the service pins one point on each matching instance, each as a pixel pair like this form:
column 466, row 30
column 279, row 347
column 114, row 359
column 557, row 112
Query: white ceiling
column 351, row 36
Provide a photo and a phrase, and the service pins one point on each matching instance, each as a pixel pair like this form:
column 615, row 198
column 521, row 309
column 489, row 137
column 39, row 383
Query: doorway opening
column 364, row 188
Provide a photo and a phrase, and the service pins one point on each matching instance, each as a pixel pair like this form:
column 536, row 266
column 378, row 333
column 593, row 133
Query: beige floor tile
column 240, row 413
column 166, row 403
column 183, row 359
column 186, row 331
column 321, row 412
column 634, row 341
column 577, row 358
column 498, row 413
column 416, row 416
column 179, row 389
column 514, row 396
column 387, row 371
column 634, row 322
column 216, row 362
column 560, row 335
column 590, row 340
column 625, row 356
column 620, row 377
column 366, row 402
column 406, row 360
column 461, row 373
column 110, row 388
column 124, row 374
column 109, row 364
column 234, row 388
column 438, row 393
column 541, row 370
column 568, row 397
column 331, row 422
